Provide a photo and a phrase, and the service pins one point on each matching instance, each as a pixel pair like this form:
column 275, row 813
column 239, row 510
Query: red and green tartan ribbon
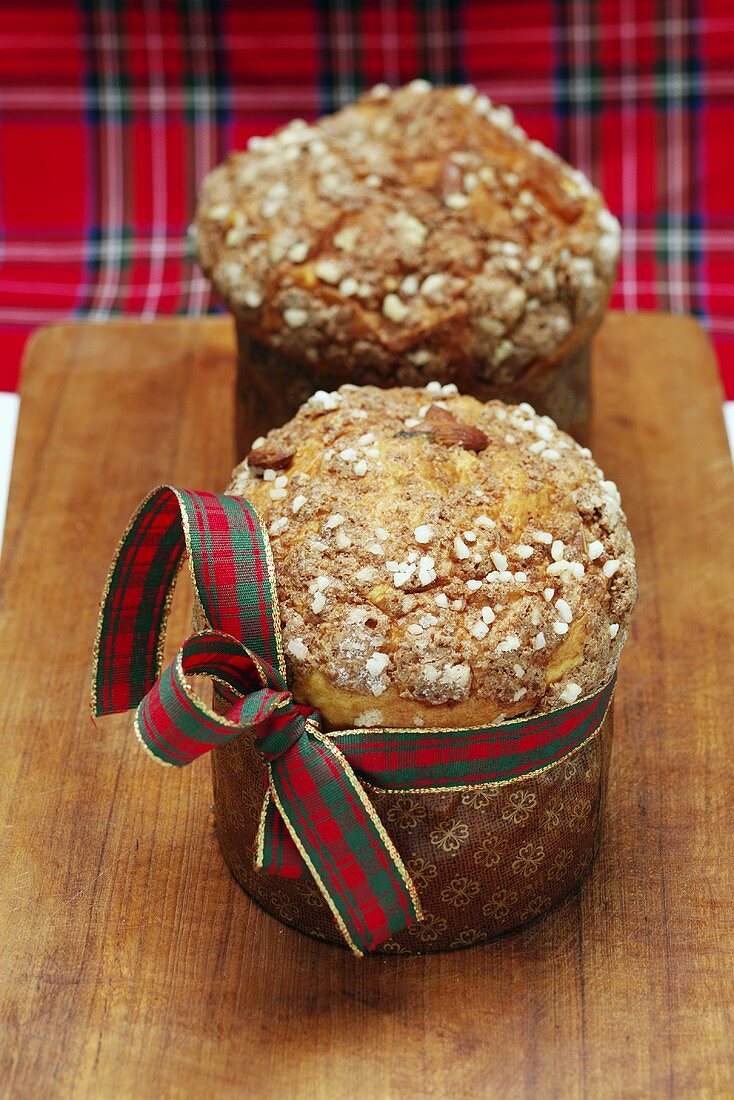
column 330, row 823
column 317, row 818
column 232, row 572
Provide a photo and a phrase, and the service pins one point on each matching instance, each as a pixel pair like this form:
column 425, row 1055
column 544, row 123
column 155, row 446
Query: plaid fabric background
column 111, row 114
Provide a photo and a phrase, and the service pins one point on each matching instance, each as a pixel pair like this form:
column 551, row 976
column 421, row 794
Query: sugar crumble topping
column 442, row 574
column 416, row 233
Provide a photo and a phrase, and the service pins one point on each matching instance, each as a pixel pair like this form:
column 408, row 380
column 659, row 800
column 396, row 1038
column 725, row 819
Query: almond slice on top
column 447, row 429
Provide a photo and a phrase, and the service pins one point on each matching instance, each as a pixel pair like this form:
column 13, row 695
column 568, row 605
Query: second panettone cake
column 417, row 233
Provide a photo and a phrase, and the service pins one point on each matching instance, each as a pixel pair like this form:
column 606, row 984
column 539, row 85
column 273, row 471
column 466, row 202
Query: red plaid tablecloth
column 111, row 114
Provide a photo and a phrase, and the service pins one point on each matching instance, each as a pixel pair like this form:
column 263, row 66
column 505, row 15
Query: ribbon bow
column 316, row 817
column 328, row 817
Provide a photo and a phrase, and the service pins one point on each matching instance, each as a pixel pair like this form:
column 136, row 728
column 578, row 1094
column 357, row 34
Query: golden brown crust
column 418, row 226
column 425, row 583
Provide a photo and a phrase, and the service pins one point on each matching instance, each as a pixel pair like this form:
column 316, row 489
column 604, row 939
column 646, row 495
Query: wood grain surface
column 132, row 965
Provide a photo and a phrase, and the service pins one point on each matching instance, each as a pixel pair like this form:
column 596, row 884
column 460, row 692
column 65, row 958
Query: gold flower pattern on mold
column 311, row 895
column 593, row 771
column 479, row 800
column 535, row 908
column 553, row 812
column 580, row 813
column 392, row 947
column 450, row 835
column 489, row 852
column 561, row 862
column 468, row 938
column 430, row 928
column 483, row 860
column 528, row 859
column 421, row 871
column 285, row 906
column 500, row 904
column 520, row 805
column 460, row 892
column 406, row 813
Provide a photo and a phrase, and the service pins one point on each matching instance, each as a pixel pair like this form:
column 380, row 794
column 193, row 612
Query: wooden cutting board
column 132, row 965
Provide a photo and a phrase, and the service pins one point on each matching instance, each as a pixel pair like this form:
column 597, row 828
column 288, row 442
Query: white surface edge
column 729, row 421
column 9, row 408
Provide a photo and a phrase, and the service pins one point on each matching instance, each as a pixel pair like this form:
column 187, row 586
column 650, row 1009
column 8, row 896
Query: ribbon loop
column 282, row 732
column 232, row 572
column 172, row 722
